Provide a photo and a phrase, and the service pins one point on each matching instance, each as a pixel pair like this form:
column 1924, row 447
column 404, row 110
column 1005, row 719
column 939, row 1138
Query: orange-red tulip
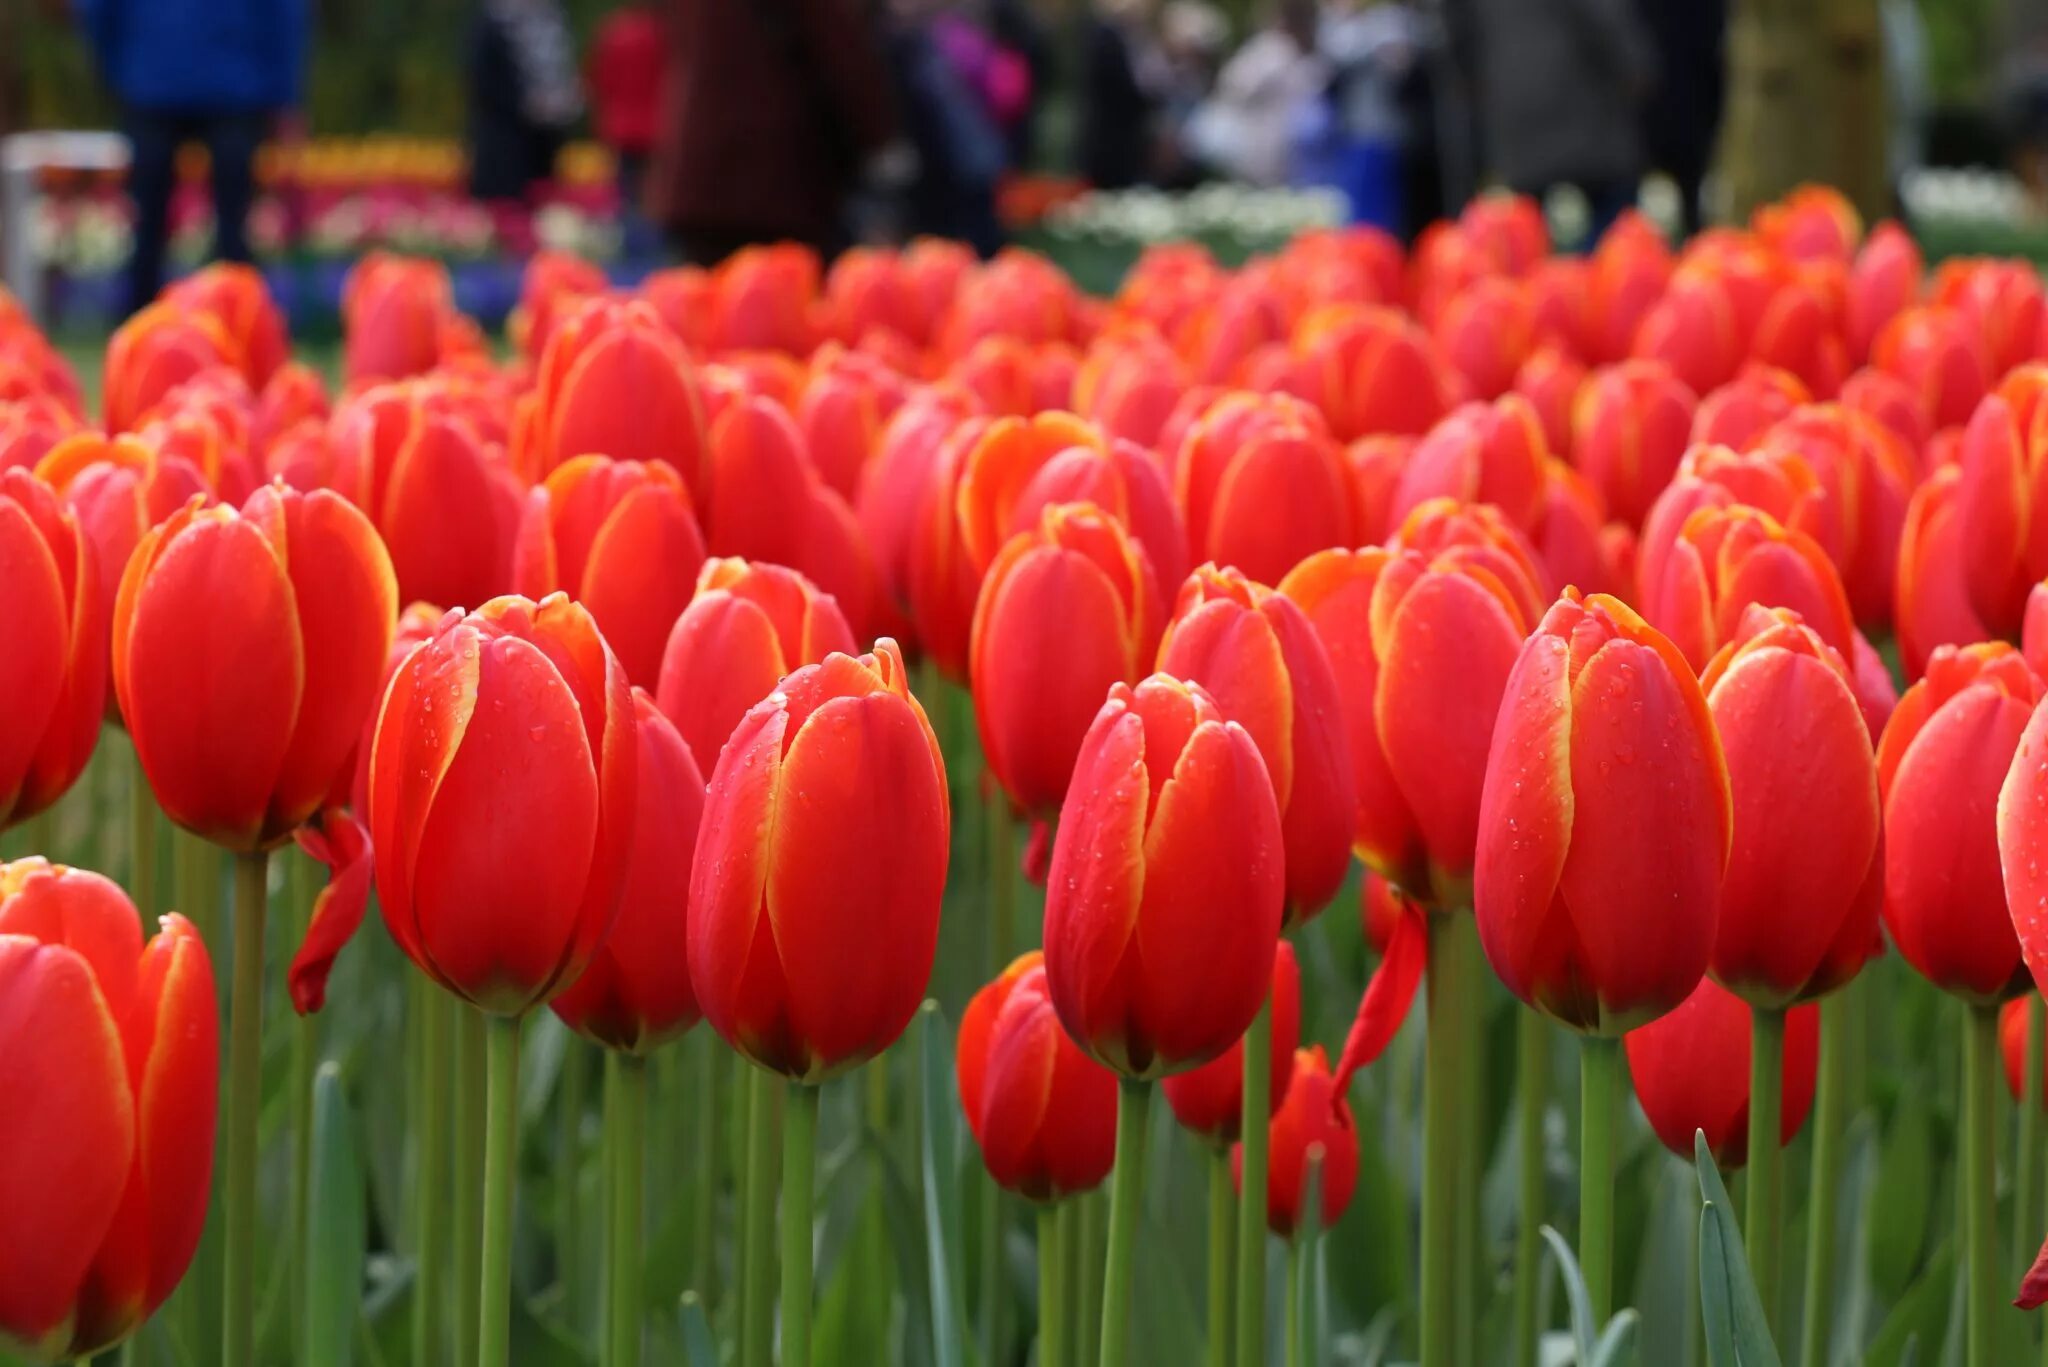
column 1209, row 1100
column 814, row 899
column 1695, row 328
column 1043, row 1112
column 1313, row 1122
column 1485, row 331
column 552, row 284
column 1605, row 822
column 396, row 314
column 635, row 995
column 248, row 646
column 1941, row 356
column 1690, row 1071
column 502, row 800
column 2000, row 300
column 621, row 538
column 1940, row 766
column 1795, row 921
column 2003, row 498
column 1726, row 558
column 2012, row 1046
column 1263, row 485
column 1168, row 883
column 1931, row 604
column 1065, row 611
column 1480, row 453
column 53, row 669
column 30, row 427
column 1884, row 281
column 748, row 625
column 1552, row 379
column 615, row 382
column 235, row 295
column 1746, row 407
column 1260, row 660
column 1372, row 369
column 1629, row 429
column 1628, row 273
column 113, row 1065
column 152, row 353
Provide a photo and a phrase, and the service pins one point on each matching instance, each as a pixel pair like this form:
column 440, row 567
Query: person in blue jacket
column 218, row 72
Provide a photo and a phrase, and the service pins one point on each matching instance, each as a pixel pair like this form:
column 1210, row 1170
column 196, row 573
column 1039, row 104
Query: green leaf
column 1906, row 1179
column 699, row 1348
column 940, row 1153
column 335, row 1232
column 1583, row 1328
column 1920, row 1316
column 1737, row 1333
column 1617, row 1343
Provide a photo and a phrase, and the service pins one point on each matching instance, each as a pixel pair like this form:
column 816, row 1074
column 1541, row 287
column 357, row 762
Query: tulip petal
column 337, row 840
column 1387, row 998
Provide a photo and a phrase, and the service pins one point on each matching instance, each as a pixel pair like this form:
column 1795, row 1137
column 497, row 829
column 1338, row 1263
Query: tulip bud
column 1804, row 787
column 621, row 538
column 1931, row 604
column 1884, row 281
column 1940, row 766
column 1628, row 432
column 1374, row 370
column 2012, row 1046
column 814, row 898
column 1168, row 883
column 53, row 671
column 502, row 800
column 1313, row 1125
column 113, row 1067
column 234, row 294
column 1481, row 453
column 246, row 705
column 1264, row 666
column 614, row 382
column 1042, row 1112
column 394, row 317
column 154, row 352
column 1263, row 485
column 1209, row 1100
column 1742, row 410
column 635, row 995
column 1936, row 352
column 1690, row 1070
column 1726, row 559
column 30, row 427
column 1604, row 824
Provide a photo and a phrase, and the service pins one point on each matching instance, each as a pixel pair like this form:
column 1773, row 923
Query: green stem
column 1054, row 1226
column 1599, row 1083
column 2026, row 1169
column 708, row 1106
column 1088, row 1279
column 568, row 1240
column 501, row 1137
column 141, row 840
column 1766, row 1158
column 198, row 885
column 1222, row 1258
column 799, row 1177
column 245, row 1099
column 1127, row 1179
column 1532, row 1065
column 471, row 1102
column 1829, row 1106
column 1002, row 886
column 1254, row 1115
column 607, row 1200
column 1467, row 1134
column 628, row 1143
column 299, row 896
column 1980, row 1195
column 430, row 1163
column 1442, row 1091
column 1291, row 1315
column 756, row 1327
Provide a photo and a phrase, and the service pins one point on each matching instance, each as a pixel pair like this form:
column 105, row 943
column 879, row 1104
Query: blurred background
column 145, row 136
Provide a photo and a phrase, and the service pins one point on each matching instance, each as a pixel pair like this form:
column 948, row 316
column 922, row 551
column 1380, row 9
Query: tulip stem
column 430, row 1161
column 299, row 896
column 1127, row 1179
column 1291, row 1317
column 245, row 1097
column 1088, row 1264
column 1443, row 1091
column 471, row 1064
column 1054, row 1227
column 1980, row 1214
column 501, row 1136
column 141, row 840
column 709, row 1107
column 1532, row 1100
column 757, row 1306
column 628, row 1147
column 1222, row 1258
column 2026, row 1169
column 573, row 1084
column 1766, row 1160
column 1829, row 1103
column 799, row 1177
column 1599, row 1084
column 1255, row 1111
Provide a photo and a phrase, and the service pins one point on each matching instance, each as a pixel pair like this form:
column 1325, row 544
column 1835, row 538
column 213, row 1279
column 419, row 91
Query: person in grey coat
column 1560, row 95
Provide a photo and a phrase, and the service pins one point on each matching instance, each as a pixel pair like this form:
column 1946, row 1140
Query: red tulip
column 1746, row 407
column 1931, row 604
column 1941, row 356
column 1168, row 883
column 614, row 382
column 2000, row 301
column 1605, row 822
column 1264, row 666
column 901, row 476
column 234, row 294
column 113, row 1064
column 1892, row 402
column 621, row 538
column 635, row 995
column 1374, row 370
column 814, row 899
column 1884, row 281
column 1940, row 766
column 1629, row 429
column 2012, row 1046
column 764, row 296
column 1695, row 328
column 30, row 427
column 53, row 671
column 1813, row 222
column 747, row 627
column 502, row 800
column 1065, row 611
column 1481, row 453
column 1043, row 1112
column 1794, row 922
column 1577, row 543
column 1314, row 1122
column 1727, row 558
column 396, row 314
column 1552, row 379
column 1129, row 382
column 552, row 284
column 1263, row 485
column 1485, row 331
column 1209, row 1100
column 152, row 353
column 1628, row 273
column 846, row 402
column 1690, row 1070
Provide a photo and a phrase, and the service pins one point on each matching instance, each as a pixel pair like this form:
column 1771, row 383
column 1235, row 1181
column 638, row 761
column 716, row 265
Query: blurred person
column 1192, row 36
column 950, row 125
column 1560, row 92
column 627, row 63
column 769, row 115
column 1682, row 114
column 1266, row 94
column 1018, row 29
column 217, row 72
column 1119, row 103
column 524, row 97
column 1374, row 49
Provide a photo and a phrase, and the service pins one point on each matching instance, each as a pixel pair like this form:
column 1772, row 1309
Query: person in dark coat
column 524, row 97
column 1117, row 109
column 771, row 110
column 1682, row 116
column 218, row 72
